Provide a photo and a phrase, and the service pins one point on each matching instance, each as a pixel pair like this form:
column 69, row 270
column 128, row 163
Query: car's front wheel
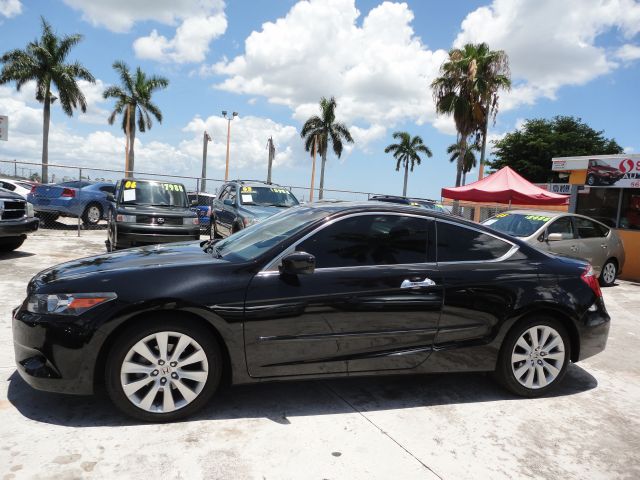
column 164, row 370
column 11, row 243
column 534, row 356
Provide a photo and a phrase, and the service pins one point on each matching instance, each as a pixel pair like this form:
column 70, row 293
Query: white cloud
column 628, row 149
column 379, row 72
column 550, row 44
column 190, row 43
column 10, row 8
column 628, row 52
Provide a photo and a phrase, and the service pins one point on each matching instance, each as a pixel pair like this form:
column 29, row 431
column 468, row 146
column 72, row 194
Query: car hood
column 261, row 211
column 179, row 254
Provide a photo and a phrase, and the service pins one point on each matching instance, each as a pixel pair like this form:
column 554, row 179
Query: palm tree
column 327, row 129
column 134, row 97
column 43, row 61
column 467, row 88
column 407, row 151
column 469, row 160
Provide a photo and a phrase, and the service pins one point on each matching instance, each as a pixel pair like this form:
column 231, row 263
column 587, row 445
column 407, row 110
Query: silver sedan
column 566, row 234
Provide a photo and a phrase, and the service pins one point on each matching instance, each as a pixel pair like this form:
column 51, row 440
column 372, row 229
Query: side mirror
column 110, row 197
column 194, row 203
column 554, row 237
column 228, row 201
column 298, row 263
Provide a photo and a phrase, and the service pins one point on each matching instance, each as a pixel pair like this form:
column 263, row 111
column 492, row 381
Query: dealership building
column 607, row 188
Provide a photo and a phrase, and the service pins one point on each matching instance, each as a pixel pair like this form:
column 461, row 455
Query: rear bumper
column 594, row 332
column 16, row 228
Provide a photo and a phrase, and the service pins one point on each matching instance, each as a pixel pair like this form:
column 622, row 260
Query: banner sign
column 562, row 188
column 621, row 172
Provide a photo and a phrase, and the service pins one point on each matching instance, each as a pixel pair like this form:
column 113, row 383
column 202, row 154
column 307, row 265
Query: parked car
column 566, row 234
column 84, row 199
column 241, row 203
column 21, row 187
column 147, row 212
column 416, row 202
column 599, row 173
column 16, row 220
column 315, row 291
column 204, row 204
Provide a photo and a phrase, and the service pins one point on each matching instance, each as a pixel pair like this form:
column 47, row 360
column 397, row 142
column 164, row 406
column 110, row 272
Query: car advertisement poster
column 621, row 172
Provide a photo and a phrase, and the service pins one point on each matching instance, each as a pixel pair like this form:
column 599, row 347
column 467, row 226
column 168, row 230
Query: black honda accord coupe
column 330, row 289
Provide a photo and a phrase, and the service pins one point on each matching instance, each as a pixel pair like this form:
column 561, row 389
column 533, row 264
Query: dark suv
column 241, row 203
column 16, row 220
column 146, row 212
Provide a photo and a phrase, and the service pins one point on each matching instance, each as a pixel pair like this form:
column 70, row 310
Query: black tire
column 48, row 219
column 139, row 330
column 11, row 243
column 504, row 370
column 214, row 230
column 605, row 278
column 592, row 180
column 89, row 219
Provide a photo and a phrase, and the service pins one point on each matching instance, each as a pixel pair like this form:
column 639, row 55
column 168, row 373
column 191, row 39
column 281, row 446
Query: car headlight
column 126, row 218
column 29, row 210
column 191, row 221
column 66, row 303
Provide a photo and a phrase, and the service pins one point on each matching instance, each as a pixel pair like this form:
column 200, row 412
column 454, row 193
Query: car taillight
column 33, row 189
column 68, row 193
column 590, row 279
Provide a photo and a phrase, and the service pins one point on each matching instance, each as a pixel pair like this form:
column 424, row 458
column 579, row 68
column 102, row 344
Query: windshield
column 267, row 196
column 516, row 224
column 257, row 239
column 145, row 192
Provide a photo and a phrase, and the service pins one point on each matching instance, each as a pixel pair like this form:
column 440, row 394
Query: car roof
column 254, row 183
column 202, row 194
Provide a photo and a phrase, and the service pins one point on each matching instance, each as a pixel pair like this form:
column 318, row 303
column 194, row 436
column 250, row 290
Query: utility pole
column 272, row 153
column 233, row 115
column 313, row 167
column 203, row 182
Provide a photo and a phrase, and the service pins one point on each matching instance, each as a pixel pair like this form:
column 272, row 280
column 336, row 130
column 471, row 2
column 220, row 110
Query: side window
column 7, row 186
column 107, row 189
column 369, row 240
column 564, row 226
column 588, row 229
column 232, row 193
column 223, row 193
column 461, row 244
column 117, row 190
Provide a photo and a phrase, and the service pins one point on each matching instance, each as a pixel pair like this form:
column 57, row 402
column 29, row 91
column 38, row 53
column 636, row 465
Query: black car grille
column 12, row 209
column 151, row 220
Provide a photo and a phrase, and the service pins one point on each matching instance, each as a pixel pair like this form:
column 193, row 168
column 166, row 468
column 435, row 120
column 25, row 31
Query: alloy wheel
column 609, row 273
column 164, row 372
column 538, row 356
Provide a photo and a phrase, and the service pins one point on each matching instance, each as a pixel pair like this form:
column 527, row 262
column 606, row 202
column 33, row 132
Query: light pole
column 233, row 115
column 205, row 140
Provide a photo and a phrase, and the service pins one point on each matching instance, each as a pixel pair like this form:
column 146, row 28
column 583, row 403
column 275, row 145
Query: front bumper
column 16, row 228
column 131, row 235
column 54, row 356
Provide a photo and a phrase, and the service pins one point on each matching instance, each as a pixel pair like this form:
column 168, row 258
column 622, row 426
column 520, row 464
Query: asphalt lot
column 441, row 426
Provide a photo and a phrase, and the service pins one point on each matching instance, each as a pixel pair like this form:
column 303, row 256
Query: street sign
column 4, row 127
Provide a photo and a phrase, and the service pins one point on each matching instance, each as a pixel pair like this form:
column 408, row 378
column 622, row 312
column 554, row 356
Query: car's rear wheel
column 534, row 356
column 609, row 273
column 92, row 215
column 48, row 219
column 165, row 370
column 11, row 243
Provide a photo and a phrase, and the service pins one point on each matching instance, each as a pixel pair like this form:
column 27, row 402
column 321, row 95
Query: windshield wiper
column 209, row 247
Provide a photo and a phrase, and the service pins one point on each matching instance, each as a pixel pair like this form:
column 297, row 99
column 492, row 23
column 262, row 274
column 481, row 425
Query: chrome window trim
column 272, row 266
column 514, row 248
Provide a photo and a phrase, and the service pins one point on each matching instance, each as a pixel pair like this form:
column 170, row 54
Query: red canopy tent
column 505, row 186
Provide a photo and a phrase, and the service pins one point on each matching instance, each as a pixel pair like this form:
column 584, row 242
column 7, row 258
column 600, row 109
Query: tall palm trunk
column 485, row 129
column 464, row 178
column 132, row 139
column 45, row 137
column 460, row 162
column 406, row 177
column 324, row 160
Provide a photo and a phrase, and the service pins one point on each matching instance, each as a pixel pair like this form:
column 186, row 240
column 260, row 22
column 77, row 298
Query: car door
column 480, row 274
column 218, row 210
column 569, row 246
column 373, row 302
column 593, row 241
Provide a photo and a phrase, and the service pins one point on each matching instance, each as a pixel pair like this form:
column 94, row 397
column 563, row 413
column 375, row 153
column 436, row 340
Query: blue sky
column 271, row 62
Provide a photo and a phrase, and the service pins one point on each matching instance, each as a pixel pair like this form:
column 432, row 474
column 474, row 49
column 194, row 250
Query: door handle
column 427, row 282
column 604, row 245
column 573, row 248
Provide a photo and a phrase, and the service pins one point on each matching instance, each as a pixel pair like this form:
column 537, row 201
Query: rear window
column 75, row 184
column 516, row 224
column 461, row 244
